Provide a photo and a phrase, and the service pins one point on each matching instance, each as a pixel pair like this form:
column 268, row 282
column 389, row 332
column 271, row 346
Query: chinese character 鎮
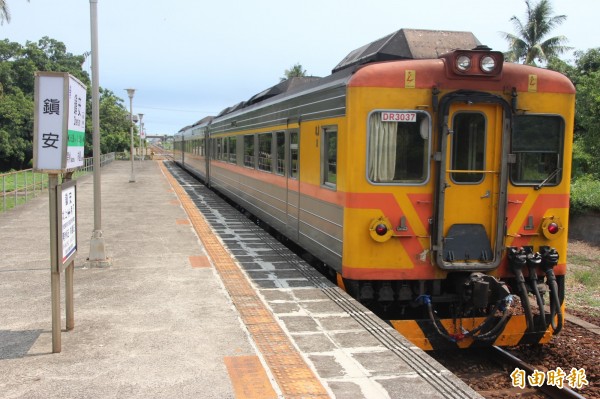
column 51, row 106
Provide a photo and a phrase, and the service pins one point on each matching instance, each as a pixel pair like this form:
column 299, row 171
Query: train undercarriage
column 473, row 308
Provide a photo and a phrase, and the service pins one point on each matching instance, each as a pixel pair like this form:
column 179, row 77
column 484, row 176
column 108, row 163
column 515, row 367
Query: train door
column 293, row 183
column 472, row 183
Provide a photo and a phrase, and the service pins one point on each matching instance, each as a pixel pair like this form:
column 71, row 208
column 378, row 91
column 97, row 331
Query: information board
column 69, row 222
column 59, row 122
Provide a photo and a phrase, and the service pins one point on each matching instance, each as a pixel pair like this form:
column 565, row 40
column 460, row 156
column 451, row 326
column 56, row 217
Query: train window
column 232, row 146
column 249, row 151
column 537, row 146
column 294, row 156
column 265, row 152
column 398, row 147
column 280, row 152
column 468, row 147
column 329, row 156
column 219, row 148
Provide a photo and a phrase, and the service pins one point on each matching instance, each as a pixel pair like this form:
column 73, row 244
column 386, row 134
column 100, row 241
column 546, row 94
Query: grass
column 583, row 278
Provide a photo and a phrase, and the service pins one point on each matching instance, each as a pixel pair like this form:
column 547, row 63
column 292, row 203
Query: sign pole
column 58, row 147
column 55, row 267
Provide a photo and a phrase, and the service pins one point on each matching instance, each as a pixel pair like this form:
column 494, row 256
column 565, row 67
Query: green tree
column 16, row 127
column 585, row 75
column 294, row 72
column 114, row 123
column 530, row 43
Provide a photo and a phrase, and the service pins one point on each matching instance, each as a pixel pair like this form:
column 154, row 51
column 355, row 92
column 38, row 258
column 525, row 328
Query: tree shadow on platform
column 16, row 344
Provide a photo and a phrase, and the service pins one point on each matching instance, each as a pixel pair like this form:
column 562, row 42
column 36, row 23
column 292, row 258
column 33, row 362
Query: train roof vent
column 281, row 87
column 409, row 44
column 206, row 119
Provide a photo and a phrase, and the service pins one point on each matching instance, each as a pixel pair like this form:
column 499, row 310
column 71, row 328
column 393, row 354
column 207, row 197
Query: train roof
column 409, row 44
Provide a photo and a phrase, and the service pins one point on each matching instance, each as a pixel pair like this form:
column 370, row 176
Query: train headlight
column 381, row 229
column 463, row 63
column 552, row 227
column 488, row 64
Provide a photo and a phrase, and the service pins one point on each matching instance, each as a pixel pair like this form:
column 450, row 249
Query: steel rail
column 550, row 390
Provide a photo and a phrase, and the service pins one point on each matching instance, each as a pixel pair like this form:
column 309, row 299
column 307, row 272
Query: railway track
column 502, row 373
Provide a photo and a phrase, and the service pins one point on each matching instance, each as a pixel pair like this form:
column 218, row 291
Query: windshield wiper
column 547, row 179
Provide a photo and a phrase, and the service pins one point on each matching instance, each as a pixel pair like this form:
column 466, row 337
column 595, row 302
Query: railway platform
column 198, row 302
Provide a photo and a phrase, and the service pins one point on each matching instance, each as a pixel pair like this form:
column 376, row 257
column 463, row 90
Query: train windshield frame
column 537, row 146
column 398, row 147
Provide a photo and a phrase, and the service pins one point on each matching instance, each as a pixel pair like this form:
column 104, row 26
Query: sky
column 188, row 59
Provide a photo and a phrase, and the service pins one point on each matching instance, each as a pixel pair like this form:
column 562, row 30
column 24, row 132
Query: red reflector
column 553, row 228
column 381, row 229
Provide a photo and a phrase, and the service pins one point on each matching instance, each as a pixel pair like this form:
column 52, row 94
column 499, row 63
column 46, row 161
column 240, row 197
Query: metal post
column 70, row 308
column 97, row 256
column 141, row 130
column 130, row 93
column 55, row 268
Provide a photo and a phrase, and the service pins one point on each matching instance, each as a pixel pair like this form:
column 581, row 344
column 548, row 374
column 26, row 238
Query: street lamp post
column 130, row 93
column 141, row 133
column 97, row 256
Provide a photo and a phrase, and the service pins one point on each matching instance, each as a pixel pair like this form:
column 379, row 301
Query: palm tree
column 528, row 44
column 4, row 12
column 295, row 71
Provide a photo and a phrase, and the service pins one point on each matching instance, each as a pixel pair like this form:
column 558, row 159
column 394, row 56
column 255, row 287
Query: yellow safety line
column 294, row 377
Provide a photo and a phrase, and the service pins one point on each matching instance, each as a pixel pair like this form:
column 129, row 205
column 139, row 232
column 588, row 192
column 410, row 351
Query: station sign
column 67, row 215
column 59, row 122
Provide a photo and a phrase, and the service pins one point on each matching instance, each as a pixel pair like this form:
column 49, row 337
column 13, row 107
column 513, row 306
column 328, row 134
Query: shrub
column 585, row 195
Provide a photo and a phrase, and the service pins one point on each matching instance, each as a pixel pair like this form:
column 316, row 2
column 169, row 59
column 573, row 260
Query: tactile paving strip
column 294, row 377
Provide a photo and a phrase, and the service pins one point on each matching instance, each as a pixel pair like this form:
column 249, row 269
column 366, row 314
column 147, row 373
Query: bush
column 585, row 195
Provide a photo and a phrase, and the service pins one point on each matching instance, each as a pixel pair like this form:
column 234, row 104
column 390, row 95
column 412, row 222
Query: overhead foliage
column 530, row 43
column 296, row 71
column 585, row 74
column 18, row 64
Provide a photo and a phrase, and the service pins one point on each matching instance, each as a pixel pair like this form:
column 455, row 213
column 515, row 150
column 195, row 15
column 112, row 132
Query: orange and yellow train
column 429, row 174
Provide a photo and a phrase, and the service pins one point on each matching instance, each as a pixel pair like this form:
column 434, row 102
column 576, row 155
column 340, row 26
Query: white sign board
column 49, row 113
column 59, row 122
column 69, row 222
column 76, row 123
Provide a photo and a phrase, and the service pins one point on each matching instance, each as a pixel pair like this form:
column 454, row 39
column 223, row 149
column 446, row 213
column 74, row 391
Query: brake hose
column 549, row 260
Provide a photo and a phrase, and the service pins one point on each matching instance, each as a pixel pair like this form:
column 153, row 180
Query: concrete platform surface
column 150, row 326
